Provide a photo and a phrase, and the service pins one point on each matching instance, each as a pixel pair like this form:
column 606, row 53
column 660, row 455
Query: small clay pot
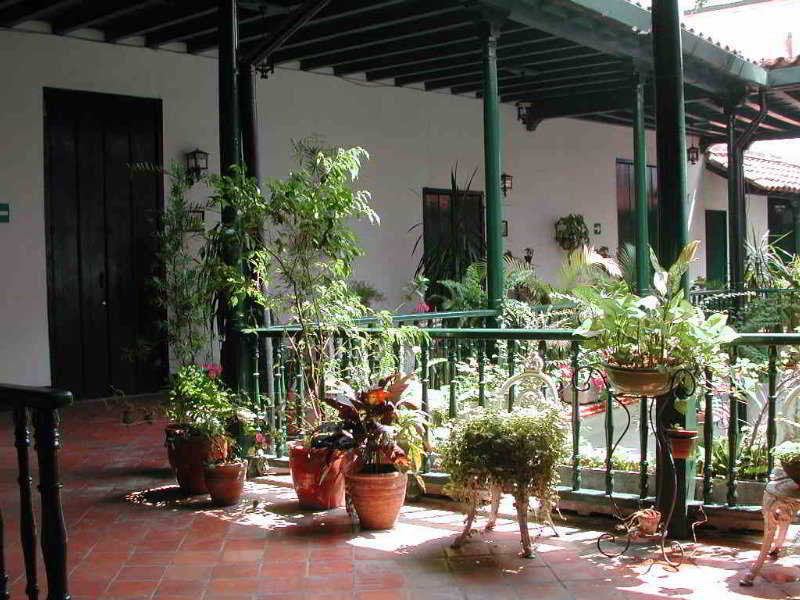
column 225, row 482
column 188, row 455
column 377, row 497
column 638, row 382
column 792, row 470
column 681, row 442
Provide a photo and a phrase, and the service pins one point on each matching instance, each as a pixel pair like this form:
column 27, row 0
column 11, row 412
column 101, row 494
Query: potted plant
column 645, row 341
column 224, row 477
column 681, row 440
column 789, row 455
column 571, row 232
column 198, row 407
column 517, row 453
column 372, row 430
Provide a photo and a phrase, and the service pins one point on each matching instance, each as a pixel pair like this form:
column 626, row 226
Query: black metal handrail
column 43, row 405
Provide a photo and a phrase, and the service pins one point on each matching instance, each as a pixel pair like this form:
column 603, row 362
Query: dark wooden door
column 717, row 248
column 626, row 204
column 100, row 225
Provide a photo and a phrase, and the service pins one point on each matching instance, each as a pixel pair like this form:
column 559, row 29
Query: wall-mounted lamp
column 506, row 183
column 524, row 116
column 196, row 164
column 693, row 154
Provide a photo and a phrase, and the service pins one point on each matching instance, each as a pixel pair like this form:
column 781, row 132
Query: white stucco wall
column 413, row 137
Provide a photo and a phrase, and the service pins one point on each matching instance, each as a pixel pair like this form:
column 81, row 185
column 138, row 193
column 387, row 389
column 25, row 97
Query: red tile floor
column 132, row 537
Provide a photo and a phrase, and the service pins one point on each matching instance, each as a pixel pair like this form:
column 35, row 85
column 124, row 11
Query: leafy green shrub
column 788, row 452
column 198, row 399
column 518, row 451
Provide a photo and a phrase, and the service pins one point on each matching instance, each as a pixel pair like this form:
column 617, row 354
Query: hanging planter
column 626, row 381
column 681, row 442
column 571, row 232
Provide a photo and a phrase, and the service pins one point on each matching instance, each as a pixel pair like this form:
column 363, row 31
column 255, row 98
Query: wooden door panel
column 92, row 244
column 122, row 306
column 64, row 299
column 151, row 366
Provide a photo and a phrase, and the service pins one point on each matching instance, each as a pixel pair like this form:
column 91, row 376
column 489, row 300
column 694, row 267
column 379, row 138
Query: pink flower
column 260, row 439
column 422, row 307
column 212, row 370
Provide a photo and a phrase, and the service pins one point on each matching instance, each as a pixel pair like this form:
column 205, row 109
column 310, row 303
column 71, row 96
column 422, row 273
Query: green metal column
column 234, row 370
column 492, row 154
column 640, row 188
column 737, row 217
column 670, row 130
column 796, row 224
column 673, row 235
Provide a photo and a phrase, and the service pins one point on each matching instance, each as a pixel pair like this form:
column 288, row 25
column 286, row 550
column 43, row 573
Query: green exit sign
column 5, row 213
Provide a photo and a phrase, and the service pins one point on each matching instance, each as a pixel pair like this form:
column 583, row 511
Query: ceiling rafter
column 437, row 78
column 32, row 10
column 90, row 14
column 512, row 56
column 158, row 19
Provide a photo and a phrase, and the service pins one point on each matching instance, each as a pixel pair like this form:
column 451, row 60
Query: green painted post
column 670, row 130
column 673, row 229
column 640, row 187
column 737, row 218
column 796, row 223
column 233, row 355
column 490, row 32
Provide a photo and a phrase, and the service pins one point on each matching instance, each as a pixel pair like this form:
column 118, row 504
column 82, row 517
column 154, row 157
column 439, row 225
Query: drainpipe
column 796, row 223
column 248, row 116
column 640, row 187
column 737, row 211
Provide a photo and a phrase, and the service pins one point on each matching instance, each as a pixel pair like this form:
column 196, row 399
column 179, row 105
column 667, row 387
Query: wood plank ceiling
column 432, row 44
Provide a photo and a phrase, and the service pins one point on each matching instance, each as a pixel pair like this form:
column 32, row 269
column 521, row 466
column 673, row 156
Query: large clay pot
column 377, row 497
column 308, row 466
column 638, row 382
column 225, row 482
column 188, row 455
column 792, row 470
column 681, row 442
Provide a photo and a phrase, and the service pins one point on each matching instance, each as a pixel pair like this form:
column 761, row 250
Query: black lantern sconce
column 196, row 164
column 693, row 154
column 525, row 116
column 506, row 183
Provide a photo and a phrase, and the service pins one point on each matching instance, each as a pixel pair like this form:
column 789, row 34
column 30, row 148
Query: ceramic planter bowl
column 638, row 382
column 225, row 482
column 377, row 497
column 792, row 469
column 681, row 442
column 307, row 466
column 188, row 455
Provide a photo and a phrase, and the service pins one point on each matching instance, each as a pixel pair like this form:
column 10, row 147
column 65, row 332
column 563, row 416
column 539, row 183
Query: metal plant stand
column 647, row 525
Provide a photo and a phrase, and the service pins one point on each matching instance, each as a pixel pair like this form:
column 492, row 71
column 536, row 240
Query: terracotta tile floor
column 132, row 537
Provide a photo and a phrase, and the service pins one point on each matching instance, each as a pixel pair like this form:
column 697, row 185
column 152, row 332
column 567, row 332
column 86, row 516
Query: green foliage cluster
column 571, row 232
column 200, row 402
column 787, row 452
column 662, row 330
column 518, row 451
column 751, row 457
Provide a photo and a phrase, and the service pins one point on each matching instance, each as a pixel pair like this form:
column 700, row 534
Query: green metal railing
column 448, row 344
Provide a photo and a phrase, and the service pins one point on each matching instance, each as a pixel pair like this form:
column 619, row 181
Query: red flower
column 422, row 307
column 212, row 370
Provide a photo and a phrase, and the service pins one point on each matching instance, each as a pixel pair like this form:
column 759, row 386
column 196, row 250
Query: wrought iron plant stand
column 646, row 525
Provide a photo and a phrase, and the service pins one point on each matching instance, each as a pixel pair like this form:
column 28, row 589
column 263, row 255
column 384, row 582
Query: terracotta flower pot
column 638, row 382
column 188, row 455
column 792, row 470
column 377, row 497
column 225, row 482
column 681, row 442
column 308, row 466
